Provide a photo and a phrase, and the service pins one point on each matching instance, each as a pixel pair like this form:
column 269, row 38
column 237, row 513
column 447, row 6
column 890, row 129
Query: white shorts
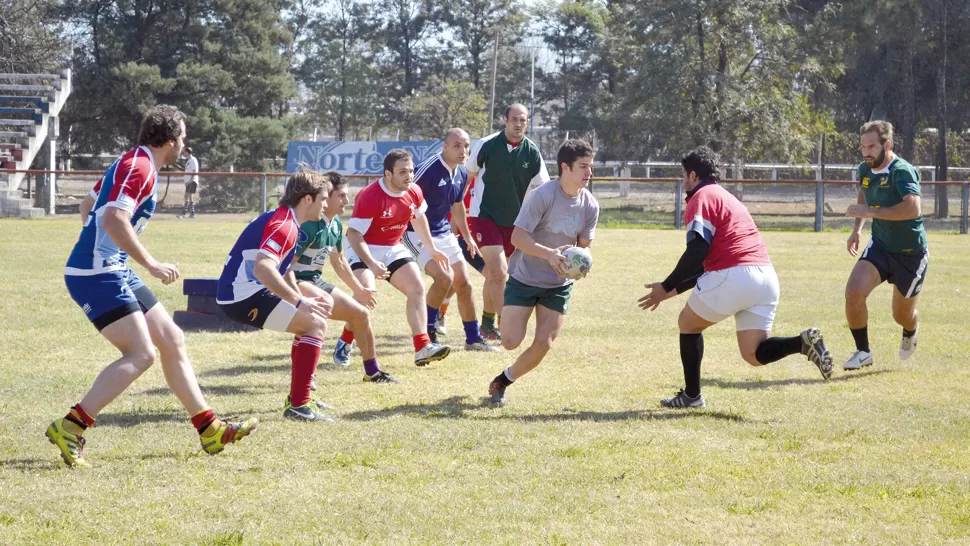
column 447, row 243
column 393, row 257
column 749, row 292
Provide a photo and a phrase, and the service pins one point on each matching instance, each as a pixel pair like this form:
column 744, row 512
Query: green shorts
column 522, row 295
column 319, row 283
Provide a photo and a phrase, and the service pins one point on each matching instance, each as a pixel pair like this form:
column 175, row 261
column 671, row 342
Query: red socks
column 203, row 419
column 347, row 337
column 306, row 354
column 421, row 341
column 79, row 417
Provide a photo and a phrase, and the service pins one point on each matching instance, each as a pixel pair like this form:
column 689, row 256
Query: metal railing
column 775, row 204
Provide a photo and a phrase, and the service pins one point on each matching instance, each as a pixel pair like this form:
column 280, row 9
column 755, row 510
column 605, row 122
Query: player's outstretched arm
column 266, row 273
column 420, row 225
column 459, row 221
column 85, row 208
column 117, row 223
column 356, row 240
column 364, row 296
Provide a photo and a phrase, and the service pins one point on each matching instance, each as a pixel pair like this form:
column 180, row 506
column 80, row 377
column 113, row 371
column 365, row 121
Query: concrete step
column 31, row 212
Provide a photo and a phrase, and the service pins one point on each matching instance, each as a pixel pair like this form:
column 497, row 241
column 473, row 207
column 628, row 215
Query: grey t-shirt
column 554, row 219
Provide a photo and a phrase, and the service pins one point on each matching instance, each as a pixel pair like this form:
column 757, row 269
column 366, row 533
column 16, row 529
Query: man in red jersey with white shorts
column 375, row 230
column 728, row 263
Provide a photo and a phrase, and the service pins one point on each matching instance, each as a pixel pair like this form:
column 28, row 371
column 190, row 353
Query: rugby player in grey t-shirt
column 557, row 215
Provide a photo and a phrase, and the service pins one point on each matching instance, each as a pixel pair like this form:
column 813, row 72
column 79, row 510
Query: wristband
column 298, row 303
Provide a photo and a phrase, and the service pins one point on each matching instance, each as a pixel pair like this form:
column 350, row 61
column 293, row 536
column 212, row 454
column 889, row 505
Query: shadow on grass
column 217, row 390
column 129, row 420
column 53, row 463
column 462, row 407
column 243, row 369
column 767, row 384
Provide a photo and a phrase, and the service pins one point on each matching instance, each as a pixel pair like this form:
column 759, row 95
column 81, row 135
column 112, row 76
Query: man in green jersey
column 507, row 165
column 889, row 194
column 323, row 240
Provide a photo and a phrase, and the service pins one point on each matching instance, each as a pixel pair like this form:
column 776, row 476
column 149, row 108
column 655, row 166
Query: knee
column 509, row 343
column 317, row 329
column 497, row 272
column 360, row 317
column 902, row 316
column 143, row 357
column 169, row 339
column 543, row 344
column 750, row 356
column 854, row 294
column 683, row 323
column 443, row 278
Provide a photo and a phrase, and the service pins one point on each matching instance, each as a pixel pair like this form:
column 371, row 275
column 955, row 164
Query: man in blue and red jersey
column 443, row 181
column 478, row 264
column 727, row 264
column 381, row 214
column 120, row 305
column 253, row 290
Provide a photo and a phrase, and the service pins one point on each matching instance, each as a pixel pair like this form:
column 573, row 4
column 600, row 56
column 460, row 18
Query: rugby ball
column 580, row 262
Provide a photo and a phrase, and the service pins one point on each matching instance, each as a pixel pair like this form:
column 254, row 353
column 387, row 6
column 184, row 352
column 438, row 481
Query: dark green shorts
column 319, row 283
column 522, row 295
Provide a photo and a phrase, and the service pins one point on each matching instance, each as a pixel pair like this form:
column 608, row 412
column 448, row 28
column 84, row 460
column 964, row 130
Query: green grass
column 581, row 454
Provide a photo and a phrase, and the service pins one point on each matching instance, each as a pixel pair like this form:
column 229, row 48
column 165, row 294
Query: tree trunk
column 942, row 166
column 908, row 129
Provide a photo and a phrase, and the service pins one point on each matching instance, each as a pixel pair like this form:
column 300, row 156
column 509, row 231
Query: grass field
column 582, row 453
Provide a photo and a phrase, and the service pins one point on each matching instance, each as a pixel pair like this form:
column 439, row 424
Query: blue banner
column 353, row 157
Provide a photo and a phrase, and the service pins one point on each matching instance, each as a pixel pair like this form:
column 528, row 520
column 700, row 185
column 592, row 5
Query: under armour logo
column 525, row 165
column 387, row 214
column 253, row 313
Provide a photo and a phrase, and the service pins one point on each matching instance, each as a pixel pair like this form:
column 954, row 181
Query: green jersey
column 317, row 241
column 504, row 175
column 886, row 188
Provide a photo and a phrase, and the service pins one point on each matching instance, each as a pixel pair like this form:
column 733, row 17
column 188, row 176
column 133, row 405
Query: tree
column 31, row 41
column 204, row 56
column 475, row 23
column 443, row 105
column 343, row 86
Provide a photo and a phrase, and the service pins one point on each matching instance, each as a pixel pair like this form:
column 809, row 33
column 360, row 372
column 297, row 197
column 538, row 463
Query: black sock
column 861, row 336
column 908, row 333
column 691, row 354
column 777, row 348
column 503, row 379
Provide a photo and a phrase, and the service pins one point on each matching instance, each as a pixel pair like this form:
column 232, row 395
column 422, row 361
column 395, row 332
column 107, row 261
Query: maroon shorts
column 488, row 233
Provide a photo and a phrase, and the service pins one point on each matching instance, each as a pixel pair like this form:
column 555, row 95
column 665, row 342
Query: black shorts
column 391, row 269
column 191, row 187
column 905, row 271
column 477, row 262
column 263, row 310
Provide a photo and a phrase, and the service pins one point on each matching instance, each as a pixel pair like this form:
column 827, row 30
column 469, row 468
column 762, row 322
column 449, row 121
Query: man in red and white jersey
column 253, row 290
column 728, row 263
column 375, row 230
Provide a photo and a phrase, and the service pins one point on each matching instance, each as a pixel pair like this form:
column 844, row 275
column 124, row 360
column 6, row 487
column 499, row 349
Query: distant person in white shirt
column 191, row 183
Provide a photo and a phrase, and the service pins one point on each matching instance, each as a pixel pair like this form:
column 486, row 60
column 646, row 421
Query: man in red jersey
column 728, row 263
column 375, row 230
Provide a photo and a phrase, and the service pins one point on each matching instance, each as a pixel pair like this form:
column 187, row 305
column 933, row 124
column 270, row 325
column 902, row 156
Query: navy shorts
column 264, row 310
column 107, row 297
column 477, row 262
column 905, row 271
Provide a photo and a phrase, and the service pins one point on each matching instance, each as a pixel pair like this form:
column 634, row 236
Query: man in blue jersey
column 120, row 305
column 443, row 181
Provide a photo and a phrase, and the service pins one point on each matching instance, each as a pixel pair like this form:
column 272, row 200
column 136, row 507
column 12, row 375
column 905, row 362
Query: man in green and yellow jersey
column 889, row 194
